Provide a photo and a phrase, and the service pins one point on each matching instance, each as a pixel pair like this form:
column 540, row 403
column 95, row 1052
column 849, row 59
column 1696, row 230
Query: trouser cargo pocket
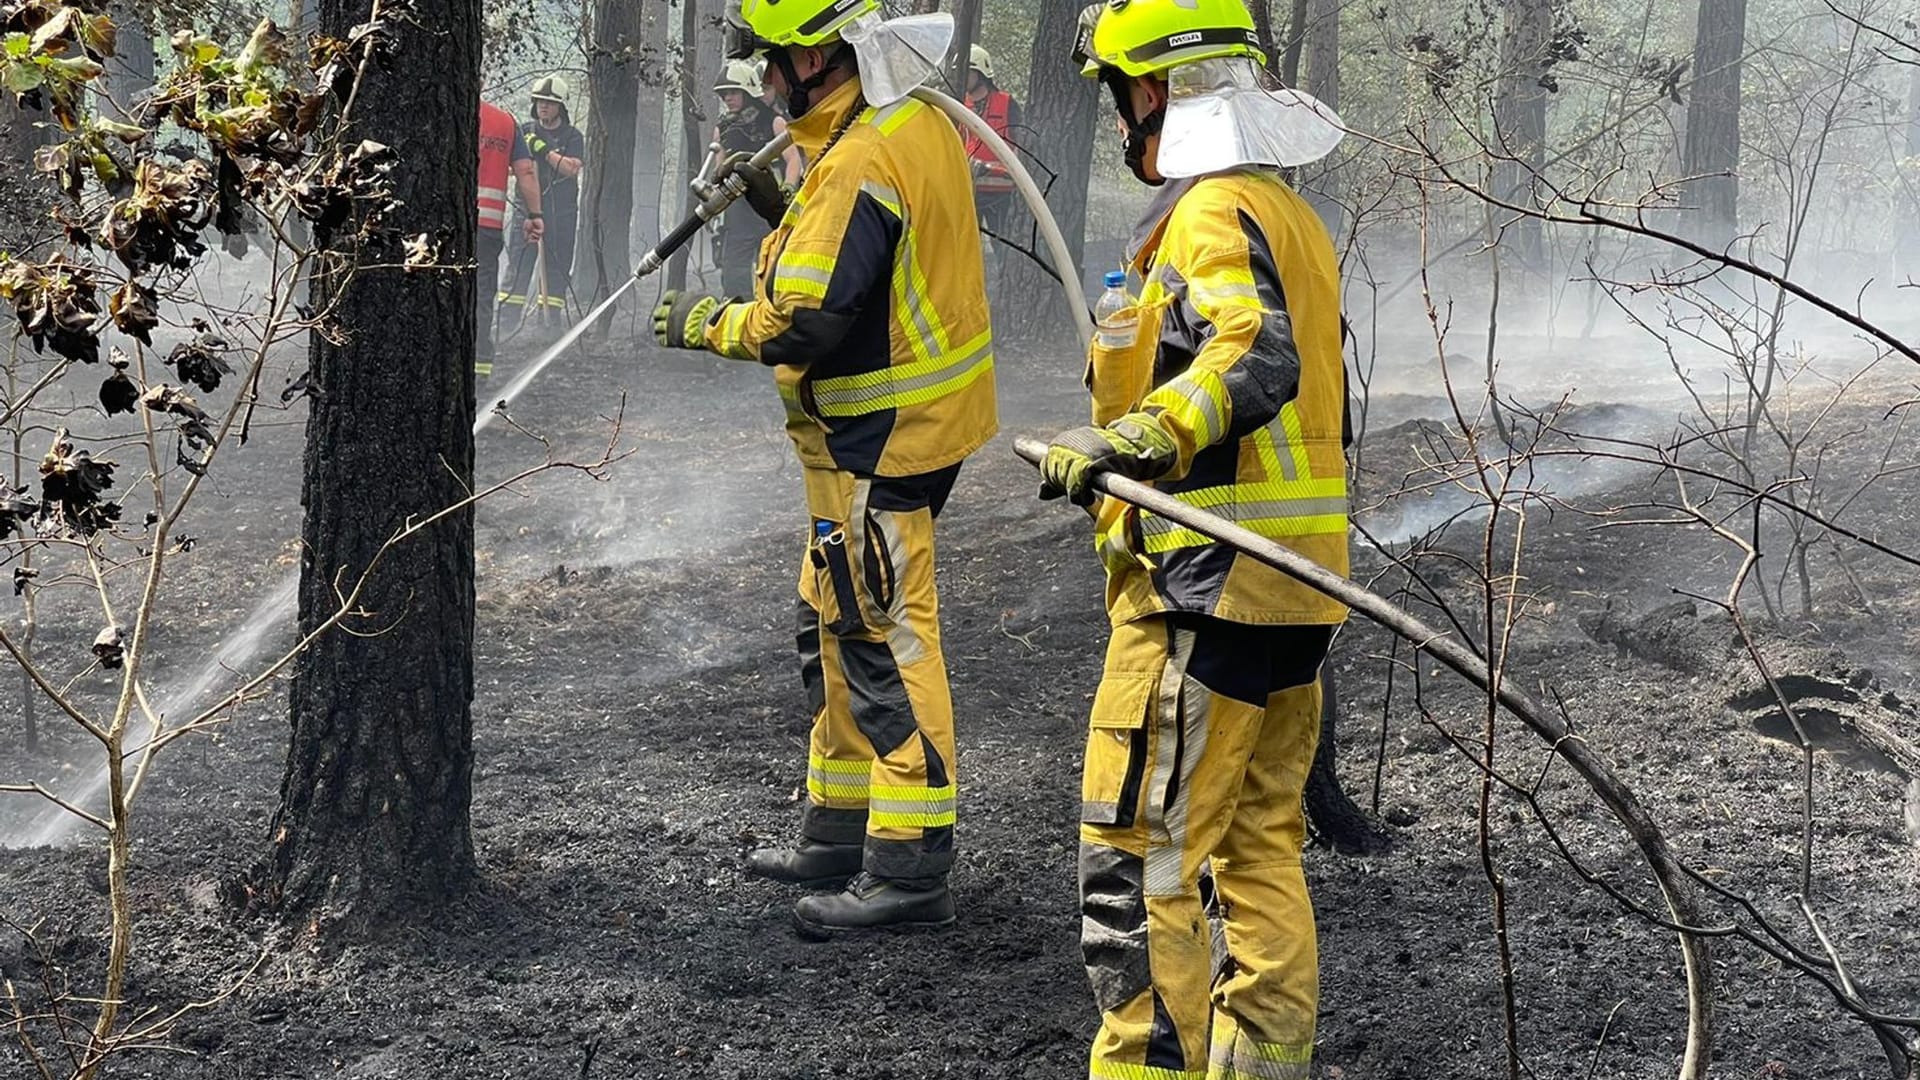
column 1116, row 758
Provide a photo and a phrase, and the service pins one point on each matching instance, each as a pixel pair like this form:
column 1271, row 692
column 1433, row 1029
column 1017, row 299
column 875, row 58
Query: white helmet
column 741, row 75
column 550, row 88
column 981, row 60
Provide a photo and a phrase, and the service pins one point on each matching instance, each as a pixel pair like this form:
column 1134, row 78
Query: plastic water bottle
column 1118, row 325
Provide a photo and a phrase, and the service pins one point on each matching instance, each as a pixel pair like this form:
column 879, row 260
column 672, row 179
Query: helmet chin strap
column 800, row 91
column 1138, row 131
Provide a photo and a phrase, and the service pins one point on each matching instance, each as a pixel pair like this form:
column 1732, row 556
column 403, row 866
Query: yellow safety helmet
column 756, row 26
column 1146, row 37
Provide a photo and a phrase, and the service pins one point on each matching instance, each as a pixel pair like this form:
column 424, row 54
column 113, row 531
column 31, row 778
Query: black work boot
column 811, row 865
column 871, row 903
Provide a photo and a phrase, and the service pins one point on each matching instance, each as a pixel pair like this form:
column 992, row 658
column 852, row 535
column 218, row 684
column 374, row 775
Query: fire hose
column 1627, row 809
column 716, row 197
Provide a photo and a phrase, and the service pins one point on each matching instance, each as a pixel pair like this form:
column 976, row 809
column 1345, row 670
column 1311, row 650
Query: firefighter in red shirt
column 501, row 152
column 992, row 184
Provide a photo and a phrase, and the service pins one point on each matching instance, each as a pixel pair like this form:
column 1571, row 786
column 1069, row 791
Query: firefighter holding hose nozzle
column 1221, row 384
column 871, row 311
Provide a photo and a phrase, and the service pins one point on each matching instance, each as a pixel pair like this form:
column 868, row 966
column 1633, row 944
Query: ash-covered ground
column 639, row 723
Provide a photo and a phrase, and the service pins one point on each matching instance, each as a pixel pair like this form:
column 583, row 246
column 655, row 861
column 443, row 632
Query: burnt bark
column 130, row 71
column 613, row 89
column 1323, row 82
column 1297, row 15
column 1334, row 820
column 699, row 65
column 373, row 823
column 966, row 30
column 1711, row 153
column 1520, row 120
column 649, row 131
column 24, row 191
column 1262, row 12
column 1061, row 111
column 1907, row 247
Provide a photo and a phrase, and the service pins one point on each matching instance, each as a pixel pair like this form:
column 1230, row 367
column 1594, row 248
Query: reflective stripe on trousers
column 1198, row 748
column 880, row 757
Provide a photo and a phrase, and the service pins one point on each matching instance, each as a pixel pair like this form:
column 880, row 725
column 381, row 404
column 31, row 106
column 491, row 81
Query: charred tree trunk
column 613, row 89
column 649, row 131
column 1908, row 246
column 1297, row 15
column 373, row 819
column 1711, row 155
column 966, row 30
column 1913, row 112
column 1520, row 120
column 1061, row 109
column 130, row 72
column 1323, row 82
column 696, row 118
column 1262, row 12
column 1333, row 819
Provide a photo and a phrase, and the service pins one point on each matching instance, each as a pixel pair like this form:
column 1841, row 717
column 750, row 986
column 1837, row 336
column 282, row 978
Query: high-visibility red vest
column 498, row 131
column 997, row 111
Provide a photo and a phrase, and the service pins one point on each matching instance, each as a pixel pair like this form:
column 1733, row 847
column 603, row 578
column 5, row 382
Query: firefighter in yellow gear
column 1223, row 386
column 870, row 308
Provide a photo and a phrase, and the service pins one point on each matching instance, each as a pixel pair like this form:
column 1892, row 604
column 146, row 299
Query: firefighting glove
column 764, row 191
column 536, row 145
column 1134, row 446
column 680, row 322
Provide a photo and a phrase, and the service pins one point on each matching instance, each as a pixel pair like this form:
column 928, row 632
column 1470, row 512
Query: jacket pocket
column 1120, row 369
column 1117, row 748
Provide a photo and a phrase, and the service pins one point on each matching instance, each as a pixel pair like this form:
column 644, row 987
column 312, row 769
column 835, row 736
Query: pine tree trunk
column 1520, row 121
column 130, row 71
column 1713, row 121
column 1296, row 37
column 1062, row 110
column 966, row 30
column 1913, row 111
column 1323, row 82
column 373, row 823
column 613, row 88
column 649, row 133
column 1262, row 12
column 699, row 68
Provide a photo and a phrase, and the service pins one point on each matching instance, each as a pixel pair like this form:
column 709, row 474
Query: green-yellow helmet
column 1146, row 37
column 758, row 25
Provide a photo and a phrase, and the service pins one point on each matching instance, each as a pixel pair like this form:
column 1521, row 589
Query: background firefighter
column 502, row 153
column 1224, row 386
column 873, row 316
column 992, row 184
column 747, row 125
column 559, row 151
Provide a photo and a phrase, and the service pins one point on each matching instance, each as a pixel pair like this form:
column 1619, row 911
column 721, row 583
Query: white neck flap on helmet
column 1229, row 112
column 898, row 55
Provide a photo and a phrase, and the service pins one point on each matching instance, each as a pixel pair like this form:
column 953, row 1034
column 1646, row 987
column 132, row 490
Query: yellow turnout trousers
column 880, row 767
column 1201, row 737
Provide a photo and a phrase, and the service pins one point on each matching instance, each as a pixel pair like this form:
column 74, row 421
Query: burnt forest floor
column 639, row 724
